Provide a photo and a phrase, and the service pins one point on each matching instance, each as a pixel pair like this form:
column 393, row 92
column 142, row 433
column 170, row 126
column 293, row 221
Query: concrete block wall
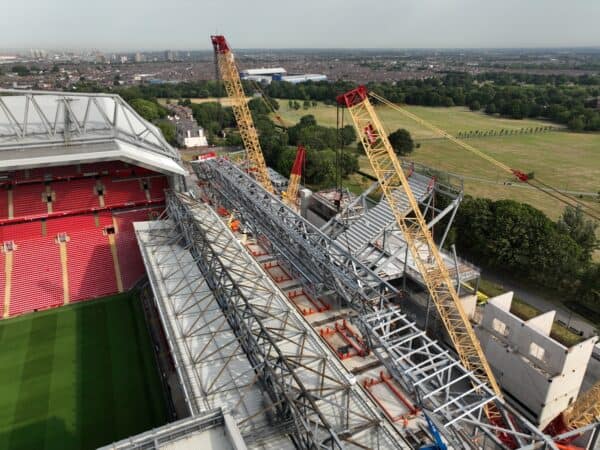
column 541, row 373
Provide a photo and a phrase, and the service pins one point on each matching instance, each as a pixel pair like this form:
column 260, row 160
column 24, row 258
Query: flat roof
column 212, row 366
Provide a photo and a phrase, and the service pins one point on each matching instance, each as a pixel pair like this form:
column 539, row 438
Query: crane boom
column 520, row 175
column 233, row 85
column 583, row 412
column 294, row 184
column 418, row 238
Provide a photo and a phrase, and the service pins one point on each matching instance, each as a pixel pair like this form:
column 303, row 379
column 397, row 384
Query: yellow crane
column 585, row 411
column 520, row 175
column 233, row 85
column 391, row 177
column 294, row 184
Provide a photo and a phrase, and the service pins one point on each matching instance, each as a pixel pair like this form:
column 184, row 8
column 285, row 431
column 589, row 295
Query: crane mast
column 292, row 191
column 418, row 238
column 233, row 85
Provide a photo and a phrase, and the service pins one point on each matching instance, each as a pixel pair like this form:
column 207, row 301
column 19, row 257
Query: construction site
column 299, row 319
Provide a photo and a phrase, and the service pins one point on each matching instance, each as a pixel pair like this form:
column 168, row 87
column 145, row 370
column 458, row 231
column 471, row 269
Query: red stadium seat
column 76, row 213
column 36, row 276
column 90, row 265
column 28, row 199
column 120, row 192
column 130, row 259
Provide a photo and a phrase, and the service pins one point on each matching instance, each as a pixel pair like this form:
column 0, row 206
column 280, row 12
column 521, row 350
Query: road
column 536, row 300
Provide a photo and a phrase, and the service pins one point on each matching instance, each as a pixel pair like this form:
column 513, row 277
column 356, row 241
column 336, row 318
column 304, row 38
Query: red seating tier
column 22, row 231
column 36, row 276
column 3, row 203
column 122, row 191
column 28, row 200
column 130, row 259
column 70, row 224
column 75, row 195
column 157, row 188
column 37, row 271
column 90, row 265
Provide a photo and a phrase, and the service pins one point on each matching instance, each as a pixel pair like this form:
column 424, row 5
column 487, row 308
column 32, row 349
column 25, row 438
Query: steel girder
column 304, row 385
column 421, row 366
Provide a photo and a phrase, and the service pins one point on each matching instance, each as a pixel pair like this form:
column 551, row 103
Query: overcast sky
column 186, row 24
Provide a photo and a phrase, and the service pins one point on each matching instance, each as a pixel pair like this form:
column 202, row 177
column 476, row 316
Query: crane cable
column 267, row 101
column 521, row 176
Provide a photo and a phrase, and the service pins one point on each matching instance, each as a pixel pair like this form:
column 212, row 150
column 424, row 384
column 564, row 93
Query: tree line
column 516, row 238
column 567, row 100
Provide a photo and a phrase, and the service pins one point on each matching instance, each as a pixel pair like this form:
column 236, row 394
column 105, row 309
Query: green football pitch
column 78, row 377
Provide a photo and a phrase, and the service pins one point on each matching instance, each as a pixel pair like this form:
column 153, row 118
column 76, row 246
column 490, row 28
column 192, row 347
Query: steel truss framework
column 40, row 118
column 308, row 394
column 210, row 363
column 172, row 432
column 455, row 397
column 452, row 189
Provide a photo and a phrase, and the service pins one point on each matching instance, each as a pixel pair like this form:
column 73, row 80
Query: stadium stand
column 28, row 199
column 90, row 265
column 132, row 266
column 70, row 188
column 74, row 195
column 36, row 281
column 101, row 253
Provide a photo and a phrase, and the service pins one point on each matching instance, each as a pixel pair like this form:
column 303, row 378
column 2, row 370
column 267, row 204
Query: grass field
column 569, row 161
column 452, row 119
column 225, row 101
column 77, row 377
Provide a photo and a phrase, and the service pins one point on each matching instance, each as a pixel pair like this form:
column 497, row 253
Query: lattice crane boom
column 585, row 411
column 520, row 175
column 419, row 240
column 233, row 85
column 294, row 184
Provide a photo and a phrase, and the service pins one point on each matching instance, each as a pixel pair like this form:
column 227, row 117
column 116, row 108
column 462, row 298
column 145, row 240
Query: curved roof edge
column 38, row 127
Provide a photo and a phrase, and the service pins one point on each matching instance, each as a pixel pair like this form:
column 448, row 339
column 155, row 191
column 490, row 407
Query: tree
column 147, row 109
column 577, row 123
column 348, row 135
column 588, row 291
column 574, row 224
column 401, row 141
column 490, row 108
column 307, row 121
column 348, row 163
column 474, row 105
column 168, row 131
column 20, row 70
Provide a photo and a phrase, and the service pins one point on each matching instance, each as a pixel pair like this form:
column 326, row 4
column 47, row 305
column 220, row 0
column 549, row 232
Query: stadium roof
column 54, row 128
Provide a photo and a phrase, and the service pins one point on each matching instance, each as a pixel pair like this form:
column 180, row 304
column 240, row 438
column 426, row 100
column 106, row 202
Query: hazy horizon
column 128, row 25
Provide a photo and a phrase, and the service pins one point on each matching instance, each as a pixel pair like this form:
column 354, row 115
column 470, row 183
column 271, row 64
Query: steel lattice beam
column 304, row 386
